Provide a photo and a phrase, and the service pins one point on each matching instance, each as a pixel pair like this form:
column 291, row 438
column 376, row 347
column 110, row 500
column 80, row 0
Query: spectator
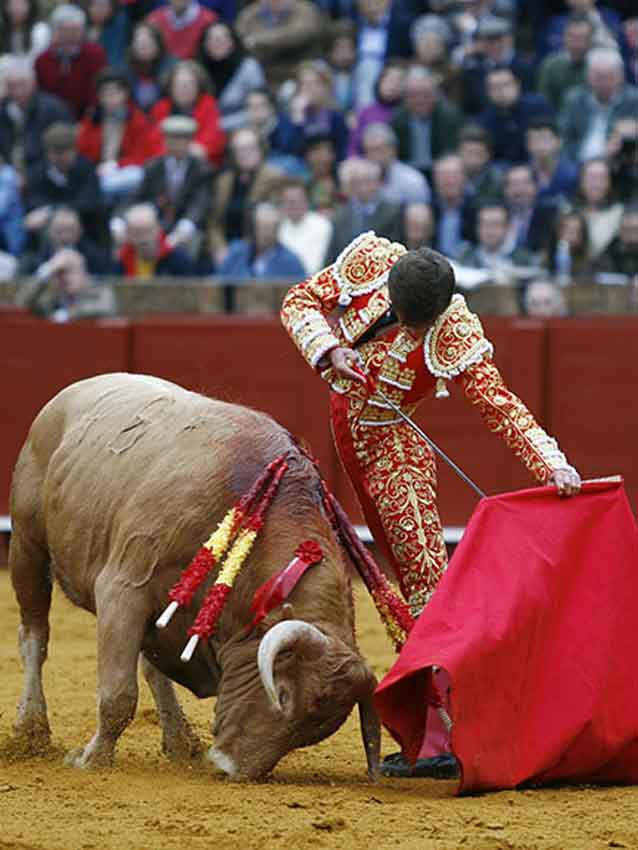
column 63, row 178
column 418, row 226
column 25, row 114
column 427, row 124
column 509, row 114
column 595, row 200
column 622, row 153
column 147, row 65
column 531, row 221
column 187, row 95
column 248, row 180
column 493, row 48
column 401, row 184
column 12, row 235
column 589, row 112
column 22, row 33
column 454, row 212
column 282, row 139
column 312, row 109
column 483, row 180
column 544, row 300
column 117, row 137
column 388, row 95
column 555, row 175
column 630, row 29
column 432, row 38
column 280, row 34
column 63, row 291
column 145, row 251
column 262, row 256
column 494, row 251
column 179, row 185
column 564, row 69
column 109, row 25
column 64, row 230
column 302, row 231
column 321, row 161
column 605, row 23
column 182, row 23
column 232, row 72
column 568, row 256
column 342, row 56
column 621, row 256
column 365, row 209
column 372, row 19
column 69, row 67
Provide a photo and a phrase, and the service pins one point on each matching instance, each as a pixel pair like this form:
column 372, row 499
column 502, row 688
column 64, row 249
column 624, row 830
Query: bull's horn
column 278, row 638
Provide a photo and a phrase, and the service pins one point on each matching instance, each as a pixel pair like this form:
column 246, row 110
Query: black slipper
column 444, row 766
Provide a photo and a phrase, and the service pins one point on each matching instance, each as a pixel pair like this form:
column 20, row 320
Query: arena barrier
column 578, row 378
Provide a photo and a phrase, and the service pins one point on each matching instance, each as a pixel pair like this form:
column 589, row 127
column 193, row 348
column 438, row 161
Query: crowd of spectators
column 254, row 140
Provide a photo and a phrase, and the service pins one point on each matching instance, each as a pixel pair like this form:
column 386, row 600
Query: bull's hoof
column 89, row 759
column 32, row 736
column 185, row 747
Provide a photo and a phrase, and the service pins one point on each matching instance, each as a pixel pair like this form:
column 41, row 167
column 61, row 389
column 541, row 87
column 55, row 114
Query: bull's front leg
column 121, row 621
column 179, row 741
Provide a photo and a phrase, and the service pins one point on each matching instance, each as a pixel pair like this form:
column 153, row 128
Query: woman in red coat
column 117, row 136
column 187, row 95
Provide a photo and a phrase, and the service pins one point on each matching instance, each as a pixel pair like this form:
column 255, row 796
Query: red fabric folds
column 535, row 623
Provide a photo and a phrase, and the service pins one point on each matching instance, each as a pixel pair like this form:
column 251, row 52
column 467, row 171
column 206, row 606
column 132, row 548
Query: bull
column 120, row 480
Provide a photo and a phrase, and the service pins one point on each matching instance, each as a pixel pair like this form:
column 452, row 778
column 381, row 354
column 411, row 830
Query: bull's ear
column 287, row 611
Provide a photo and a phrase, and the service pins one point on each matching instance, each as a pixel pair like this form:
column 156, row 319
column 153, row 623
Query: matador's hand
column 343, row 361
column 567, row 481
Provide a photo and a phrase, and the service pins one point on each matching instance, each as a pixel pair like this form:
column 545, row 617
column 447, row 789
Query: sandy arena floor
column 317, row 798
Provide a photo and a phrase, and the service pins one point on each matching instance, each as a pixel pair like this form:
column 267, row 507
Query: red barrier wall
column 578, row 377
column 37, row 359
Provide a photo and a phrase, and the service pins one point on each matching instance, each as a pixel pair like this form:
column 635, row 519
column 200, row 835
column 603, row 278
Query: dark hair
column 113, row 75
column 543, row 122
column 475, row 133
column 391, row 64
column 160, row 45
column 420, row 285
column 5, row 28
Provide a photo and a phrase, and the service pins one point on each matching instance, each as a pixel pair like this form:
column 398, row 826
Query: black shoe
column 444, row 766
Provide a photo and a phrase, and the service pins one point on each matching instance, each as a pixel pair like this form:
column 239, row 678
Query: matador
column 393, row 313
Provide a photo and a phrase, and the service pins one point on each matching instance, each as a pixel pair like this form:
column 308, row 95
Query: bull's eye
column 284, row 698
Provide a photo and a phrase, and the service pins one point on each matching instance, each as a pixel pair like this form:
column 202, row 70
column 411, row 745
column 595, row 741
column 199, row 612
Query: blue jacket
column 278, row 262
column 507, row 127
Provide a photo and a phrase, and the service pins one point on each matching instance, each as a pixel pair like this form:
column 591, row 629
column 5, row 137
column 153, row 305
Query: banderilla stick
column 423, row 435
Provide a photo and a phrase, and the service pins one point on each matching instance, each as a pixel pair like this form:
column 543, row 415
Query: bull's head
column 306, row 686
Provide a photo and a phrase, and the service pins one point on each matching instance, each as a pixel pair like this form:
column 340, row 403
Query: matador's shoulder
column 363, row 266
column 455, row 341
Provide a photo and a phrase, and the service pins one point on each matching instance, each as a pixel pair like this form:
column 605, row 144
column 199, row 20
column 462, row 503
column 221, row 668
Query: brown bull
column 121, row 479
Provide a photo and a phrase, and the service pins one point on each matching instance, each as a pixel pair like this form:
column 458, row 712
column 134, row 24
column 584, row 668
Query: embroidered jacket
column 339, row 304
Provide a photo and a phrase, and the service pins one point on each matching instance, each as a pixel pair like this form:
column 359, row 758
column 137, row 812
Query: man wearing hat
column 62, row 178
column 493, row 46
column 178, row 184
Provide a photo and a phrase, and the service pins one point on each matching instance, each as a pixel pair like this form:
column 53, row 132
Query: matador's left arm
column 456, row 349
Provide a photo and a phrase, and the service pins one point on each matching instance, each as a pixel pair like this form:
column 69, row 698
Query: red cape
column 535, row 622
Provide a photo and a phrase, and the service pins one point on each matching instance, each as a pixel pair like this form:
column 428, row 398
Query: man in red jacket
column 69, row 67
column 182, row 23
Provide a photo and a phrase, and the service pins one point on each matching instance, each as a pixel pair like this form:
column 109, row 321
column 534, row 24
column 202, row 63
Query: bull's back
column 121, row 463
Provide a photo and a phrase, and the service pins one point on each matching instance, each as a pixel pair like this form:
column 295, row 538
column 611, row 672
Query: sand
column 316, row 798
